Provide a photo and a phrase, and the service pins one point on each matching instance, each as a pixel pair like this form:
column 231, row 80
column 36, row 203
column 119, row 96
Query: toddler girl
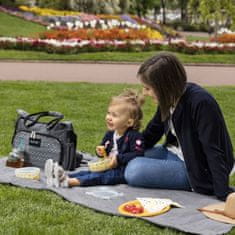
column 122, row 143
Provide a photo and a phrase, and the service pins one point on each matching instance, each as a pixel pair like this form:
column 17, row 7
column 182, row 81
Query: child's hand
column 113, row 161
column 100, row 150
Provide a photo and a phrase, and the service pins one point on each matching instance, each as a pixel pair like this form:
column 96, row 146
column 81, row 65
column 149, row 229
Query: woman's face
column 148, row 91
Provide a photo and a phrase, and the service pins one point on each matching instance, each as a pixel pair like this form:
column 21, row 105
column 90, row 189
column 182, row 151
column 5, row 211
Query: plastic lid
column 104, row 193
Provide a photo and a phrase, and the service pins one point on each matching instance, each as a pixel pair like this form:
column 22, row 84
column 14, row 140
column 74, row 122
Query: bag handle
column 32, row 119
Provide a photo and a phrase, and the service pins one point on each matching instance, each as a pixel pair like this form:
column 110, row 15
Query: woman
column 197, row 154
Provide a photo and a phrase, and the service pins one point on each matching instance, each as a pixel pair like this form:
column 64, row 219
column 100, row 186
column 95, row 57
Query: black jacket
column 204, row 139
column 130, row 145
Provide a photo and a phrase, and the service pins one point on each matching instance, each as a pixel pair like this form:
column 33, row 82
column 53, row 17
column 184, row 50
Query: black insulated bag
column 40, row 141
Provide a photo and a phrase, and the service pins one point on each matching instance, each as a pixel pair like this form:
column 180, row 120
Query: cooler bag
column 40, row 141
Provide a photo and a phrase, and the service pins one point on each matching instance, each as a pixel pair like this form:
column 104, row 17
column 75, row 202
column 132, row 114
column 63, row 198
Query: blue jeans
column 109, row 177
column 159, row 168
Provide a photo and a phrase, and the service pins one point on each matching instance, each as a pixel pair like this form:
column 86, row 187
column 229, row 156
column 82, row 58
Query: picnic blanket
column 187, row 219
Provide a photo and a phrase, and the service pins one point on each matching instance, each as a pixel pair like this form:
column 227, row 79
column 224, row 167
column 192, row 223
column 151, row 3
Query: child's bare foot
column 73, row 182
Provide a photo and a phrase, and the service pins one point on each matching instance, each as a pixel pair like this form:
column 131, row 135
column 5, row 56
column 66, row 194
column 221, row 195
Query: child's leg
column 78, row 174
column 87, row 178
column 73, row 178
column 109, row 177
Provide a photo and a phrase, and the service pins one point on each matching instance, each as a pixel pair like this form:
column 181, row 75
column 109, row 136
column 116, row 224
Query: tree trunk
column 155, row 13
column 138, row 9
column 163, row 5
column 216, row 28
column 183, row 11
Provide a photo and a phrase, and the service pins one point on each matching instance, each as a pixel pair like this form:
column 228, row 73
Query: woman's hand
column 113, row 161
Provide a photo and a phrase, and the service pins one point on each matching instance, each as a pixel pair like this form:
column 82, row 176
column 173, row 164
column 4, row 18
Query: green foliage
column 54, row 4
column 214, row 11
column 96, row 6
column 184, row 26
column 8, row 3
column 125, row 5
column 22, row 2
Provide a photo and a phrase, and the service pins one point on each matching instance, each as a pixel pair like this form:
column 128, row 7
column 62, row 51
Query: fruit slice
column 134, row 208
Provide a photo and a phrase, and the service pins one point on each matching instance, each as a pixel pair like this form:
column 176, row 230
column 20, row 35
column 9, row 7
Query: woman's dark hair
column 165, row 74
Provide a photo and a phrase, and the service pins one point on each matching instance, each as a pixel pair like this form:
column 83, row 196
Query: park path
column 206, row 75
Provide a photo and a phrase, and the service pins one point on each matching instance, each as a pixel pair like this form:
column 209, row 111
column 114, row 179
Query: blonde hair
column 133, row 101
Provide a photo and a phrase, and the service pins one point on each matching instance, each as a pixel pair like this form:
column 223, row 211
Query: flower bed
column 225, row 38
column 77, row 20
column 79, row 32
column 101, row 34
column 74, row 46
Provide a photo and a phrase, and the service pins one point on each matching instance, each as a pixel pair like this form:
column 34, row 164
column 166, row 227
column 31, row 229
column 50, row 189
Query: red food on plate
column 133, row 209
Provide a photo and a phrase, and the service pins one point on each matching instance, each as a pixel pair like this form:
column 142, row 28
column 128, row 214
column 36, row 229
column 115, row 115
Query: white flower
column 77, row 23
column 69, row 25
column 103, row 26
column 57, row 23
column 137, row 42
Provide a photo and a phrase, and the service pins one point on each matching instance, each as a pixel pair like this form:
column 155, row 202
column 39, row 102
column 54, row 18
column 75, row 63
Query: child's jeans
column 159, row 168
column 109, row 177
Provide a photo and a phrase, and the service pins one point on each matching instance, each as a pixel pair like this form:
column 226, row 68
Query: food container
column 28, row 173
column 15, row 164
column 100, row 165
column 101, row 148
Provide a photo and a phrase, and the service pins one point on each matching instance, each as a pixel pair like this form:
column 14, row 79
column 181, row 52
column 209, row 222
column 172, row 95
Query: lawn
column 12, row 26
column 192, row 38
column 26, row 211
column 113, row 57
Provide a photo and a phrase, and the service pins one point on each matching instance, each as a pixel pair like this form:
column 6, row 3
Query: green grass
column 13, row 26
column 26, row 211
column 192, row 38
column 113, row 56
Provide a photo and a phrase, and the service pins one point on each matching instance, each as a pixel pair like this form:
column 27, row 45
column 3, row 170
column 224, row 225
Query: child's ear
column 130, row 122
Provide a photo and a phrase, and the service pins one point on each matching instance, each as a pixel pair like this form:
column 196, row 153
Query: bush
column 7, row 3
column 14, row 3
column 54, row 4
column 182, row 26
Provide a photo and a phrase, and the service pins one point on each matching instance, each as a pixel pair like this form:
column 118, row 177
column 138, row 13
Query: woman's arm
column 213, row 136
column 154, row 130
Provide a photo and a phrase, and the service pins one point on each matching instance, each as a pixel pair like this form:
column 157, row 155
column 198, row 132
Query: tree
column 142, row 6
column 183, row 4
column 215, row 12
column 96, row 6
column 54, row 4
column 125, row 5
